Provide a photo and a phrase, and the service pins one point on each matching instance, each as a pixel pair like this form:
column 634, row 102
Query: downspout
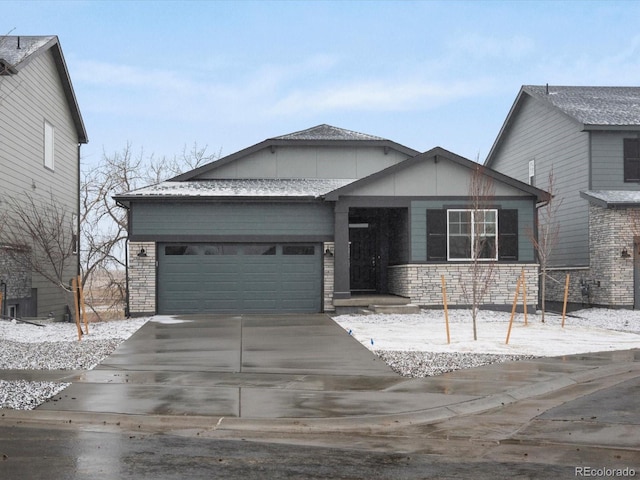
column 127, row 309
column 79, row 206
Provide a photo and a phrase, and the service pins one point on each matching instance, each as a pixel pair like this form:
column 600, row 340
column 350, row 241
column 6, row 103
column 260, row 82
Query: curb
column 366, row 423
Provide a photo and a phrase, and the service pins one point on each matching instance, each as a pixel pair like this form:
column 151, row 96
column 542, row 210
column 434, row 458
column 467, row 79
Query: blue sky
column 162, row 75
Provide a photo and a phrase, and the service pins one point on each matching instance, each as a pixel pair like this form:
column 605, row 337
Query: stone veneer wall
column 328, row 266
column 609, row 277
column 14, row 275
column 422, row 283
column 142, row 279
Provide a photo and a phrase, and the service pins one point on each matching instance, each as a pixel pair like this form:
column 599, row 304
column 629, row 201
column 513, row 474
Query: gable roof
column 320, row 135
column 16, row 52
column 593, row 108
column 435, row 154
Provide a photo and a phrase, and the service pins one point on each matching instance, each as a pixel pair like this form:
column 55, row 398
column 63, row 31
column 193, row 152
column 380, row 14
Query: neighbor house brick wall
column 609, row 278
column 142, row 279
column 14, row 275
column 328, row 266
column 422, row 283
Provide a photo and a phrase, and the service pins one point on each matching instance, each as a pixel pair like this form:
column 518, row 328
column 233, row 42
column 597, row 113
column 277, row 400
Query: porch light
column 625, row 253
column 142, row 252
column 328, row 252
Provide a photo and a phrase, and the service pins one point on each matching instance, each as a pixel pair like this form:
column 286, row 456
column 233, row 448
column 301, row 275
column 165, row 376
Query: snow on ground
column 413, row 345
column 589, row 330
column 67, row 332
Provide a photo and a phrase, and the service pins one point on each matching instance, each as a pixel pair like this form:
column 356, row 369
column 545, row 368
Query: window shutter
column 508, row 235
column 436, row 235
column 631, row 160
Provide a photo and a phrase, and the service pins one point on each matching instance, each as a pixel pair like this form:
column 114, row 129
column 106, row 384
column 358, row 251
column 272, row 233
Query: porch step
column 408, row 308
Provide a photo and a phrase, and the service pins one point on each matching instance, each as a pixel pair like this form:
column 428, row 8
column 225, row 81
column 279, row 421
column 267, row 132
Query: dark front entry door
column 363, row 258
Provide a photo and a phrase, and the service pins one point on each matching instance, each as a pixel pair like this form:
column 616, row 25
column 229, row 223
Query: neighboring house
column 41, row 130
column 590, row 138
column 321, row 219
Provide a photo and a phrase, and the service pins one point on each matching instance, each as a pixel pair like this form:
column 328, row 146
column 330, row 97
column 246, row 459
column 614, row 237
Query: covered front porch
column 368, row 240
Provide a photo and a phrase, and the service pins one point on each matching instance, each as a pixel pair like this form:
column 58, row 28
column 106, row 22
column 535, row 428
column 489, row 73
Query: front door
column 363, row 258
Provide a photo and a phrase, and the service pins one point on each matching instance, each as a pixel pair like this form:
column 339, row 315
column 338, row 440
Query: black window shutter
column 508, row 235
column 631, row 160
column 436, row 235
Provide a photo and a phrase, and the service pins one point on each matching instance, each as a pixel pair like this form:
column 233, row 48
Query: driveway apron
column 251, row 366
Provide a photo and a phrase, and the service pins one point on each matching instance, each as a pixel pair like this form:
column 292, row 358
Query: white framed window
column 472, row 234
column 49, row 142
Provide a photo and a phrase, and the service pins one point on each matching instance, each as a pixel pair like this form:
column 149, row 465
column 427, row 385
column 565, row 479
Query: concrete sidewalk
column 283, row 372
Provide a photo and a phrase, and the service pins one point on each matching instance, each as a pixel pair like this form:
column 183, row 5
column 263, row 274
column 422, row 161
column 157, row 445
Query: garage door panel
column 246, row 278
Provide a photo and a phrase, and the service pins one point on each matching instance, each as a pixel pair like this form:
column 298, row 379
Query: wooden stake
column 566, row 295
column 524, row 296
column 74, row 285
column 446, row 310
column 82, row 306
column 513, row 309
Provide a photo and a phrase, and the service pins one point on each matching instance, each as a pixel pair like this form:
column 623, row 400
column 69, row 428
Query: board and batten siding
column 607, row 161
column 309, row 162
column 218, row 220
column 418, row 216
column 29, row 98
column 555, row 142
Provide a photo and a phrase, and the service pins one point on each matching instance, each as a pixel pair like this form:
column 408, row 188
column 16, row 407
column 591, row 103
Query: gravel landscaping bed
column 429, row 364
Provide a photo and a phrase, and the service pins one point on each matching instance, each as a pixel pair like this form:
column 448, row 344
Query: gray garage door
column 228, row 277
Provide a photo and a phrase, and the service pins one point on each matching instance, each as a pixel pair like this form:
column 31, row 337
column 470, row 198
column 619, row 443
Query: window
column 631, row 160
column 48, row 145
column 472, row 234
column 464, row 234
column 298, row 250
column 259, row 250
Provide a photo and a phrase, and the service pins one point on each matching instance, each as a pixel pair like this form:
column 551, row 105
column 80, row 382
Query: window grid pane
column 472, row 234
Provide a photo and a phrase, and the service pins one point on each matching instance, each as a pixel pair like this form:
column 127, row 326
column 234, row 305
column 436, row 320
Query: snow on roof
column 14, row 49
column 327, row 132
column 269, row 187
column 613, row 197
column 593, row 105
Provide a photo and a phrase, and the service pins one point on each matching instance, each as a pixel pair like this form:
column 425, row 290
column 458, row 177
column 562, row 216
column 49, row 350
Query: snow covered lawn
column 589, row 330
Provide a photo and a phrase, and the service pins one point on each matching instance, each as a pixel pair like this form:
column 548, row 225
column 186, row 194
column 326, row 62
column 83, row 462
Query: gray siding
column 607, row 161
column 418, row 218
column 309, row 162
column 231, row 219
column 553, row 141
column 27, row 100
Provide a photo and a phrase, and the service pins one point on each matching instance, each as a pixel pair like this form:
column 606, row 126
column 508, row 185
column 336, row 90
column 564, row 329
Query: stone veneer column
column 142, row 279
column 328, row 267
column 610, row 231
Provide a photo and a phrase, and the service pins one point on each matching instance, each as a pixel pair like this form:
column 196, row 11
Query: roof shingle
column 327, row 132
column 264, row 188
column 593, row 105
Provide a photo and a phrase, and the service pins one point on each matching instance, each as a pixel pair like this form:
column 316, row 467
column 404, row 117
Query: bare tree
column 547, row 238
column 104, row 224
column 39, row 236
column 481, row 223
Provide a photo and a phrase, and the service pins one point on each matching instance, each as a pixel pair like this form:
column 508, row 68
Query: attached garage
column 239, row 277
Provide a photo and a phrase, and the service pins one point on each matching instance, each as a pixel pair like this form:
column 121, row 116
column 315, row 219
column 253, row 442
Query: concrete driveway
column 258, row 366
column 267, row 368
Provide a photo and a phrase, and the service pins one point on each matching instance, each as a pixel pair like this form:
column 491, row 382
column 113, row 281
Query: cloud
column 482, row 47
column 380, row 95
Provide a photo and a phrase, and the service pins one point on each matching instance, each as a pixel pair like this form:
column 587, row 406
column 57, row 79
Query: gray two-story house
column 323, row 219
column 590, row 138
column 41, row 130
